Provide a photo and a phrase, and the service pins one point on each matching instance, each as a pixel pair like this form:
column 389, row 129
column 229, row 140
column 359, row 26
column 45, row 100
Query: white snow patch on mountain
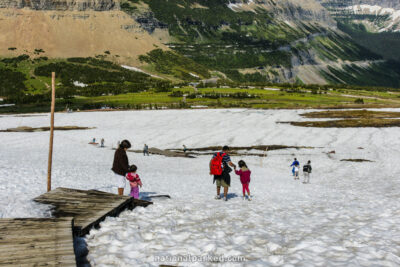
column 139, row 70
column 393, row 22
column 79, row 84
column 235, row 6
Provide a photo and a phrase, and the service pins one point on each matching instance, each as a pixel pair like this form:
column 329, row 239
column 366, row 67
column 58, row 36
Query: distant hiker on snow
column 294, row 165
column 296, row 172
column 219, row 167
column 145, row 150
column 121, row 166
column 102, row 142
column 184, row 149
column 307, row 171
column 244, row 174
column 134, row 181
column 94, row 140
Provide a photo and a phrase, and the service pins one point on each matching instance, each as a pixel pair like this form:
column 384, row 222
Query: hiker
column 296, row 172
column 184, row 149
column 134, row 181
column 244, row 174
column 294, row 164
column 102, row 142
column 219, row 167
column 94, row 140
column 121, row 166
column 145, row 150
column 307, row 171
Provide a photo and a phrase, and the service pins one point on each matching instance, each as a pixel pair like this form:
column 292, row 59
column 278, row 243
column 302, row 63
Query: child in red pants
column 244, row 174
column 134, row 181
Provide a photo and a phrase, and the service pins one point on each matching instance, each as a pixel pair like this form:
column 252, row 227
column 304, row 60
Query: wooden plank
column 49, row 241
column 36, row 242
column 87, row 207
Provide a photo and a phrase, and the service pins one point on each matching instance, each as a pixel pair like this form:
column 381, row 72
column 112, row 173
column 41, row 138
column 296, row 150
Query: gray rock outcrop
column 62, row 5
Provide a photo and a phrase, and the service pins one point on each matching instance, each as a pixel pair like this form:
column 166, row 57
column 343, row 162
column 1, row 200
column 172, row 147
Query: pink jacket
column 244, row 175
column 134, row 179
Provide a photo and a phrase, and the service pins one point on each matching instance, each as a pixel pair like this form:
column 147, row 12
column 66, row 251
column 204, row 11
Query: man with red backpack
column 219, row 167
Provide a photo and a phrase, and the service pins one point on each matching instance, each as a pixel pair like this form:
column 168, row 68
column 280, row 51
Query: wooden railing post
column 53, row 100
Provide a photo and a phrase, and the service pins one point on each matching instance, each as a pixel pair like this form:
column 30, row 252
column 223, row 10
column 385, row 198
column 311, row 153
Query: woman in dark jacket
column 121, row 165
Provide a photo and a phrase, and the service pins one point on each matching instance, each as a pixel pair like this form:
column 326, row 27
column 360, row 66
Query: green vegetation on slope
column 25, row 80
column 386, row 44
column 381, row 74
column 168, row 62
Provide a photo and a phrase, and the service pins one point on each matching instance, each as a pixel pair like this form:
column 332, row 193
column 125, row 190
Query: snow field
column 347, row 216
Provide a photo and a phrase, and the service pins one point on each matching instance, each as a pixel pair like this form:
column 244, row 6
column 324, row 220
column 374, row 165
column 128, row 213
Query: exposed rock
column 343, row 3
column 62, row 5
column 357, row 160
column 26, row 129
column 306, row 10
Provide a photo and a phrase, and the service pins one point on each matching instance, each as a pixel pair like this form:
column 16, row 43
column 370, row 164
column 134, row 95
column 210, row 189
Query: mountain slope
column 243, row 40
column 71, row 33
column 371, row 23
column 376, row 16
column 285, row 41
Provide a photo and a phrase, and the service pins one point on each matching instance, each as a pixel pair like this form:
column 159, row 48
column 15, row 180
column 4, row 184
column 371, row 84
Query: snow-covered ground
column 348, row 216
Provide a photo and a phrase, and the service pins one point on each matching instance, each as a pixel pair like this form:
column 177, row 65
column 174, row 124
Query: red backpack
column 216, row 164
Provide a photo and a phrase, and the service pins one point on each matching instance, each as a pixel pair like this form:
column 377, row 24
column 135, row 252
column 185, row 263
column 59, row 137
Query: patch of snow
column 79, row 84
column 199, row 106
column 139, row 70
column 394, row 15
column 236, row 6
column 347, row 216
column 194, row 75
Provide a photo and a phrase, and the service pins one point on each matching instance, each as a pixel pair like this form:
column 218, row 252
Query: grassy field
column 265, row 99
column 350, row 123
column 222, row 98
column 351, row 114
column 350, row 119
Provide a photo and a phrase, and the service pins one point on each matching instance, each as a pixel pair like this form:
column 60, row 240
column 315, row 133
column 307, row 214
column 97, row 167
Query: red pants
column 245, row 188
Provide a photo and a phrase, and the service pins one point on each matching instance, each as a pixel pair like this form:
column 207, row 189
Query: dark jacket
column 307, row 168
column 120, row 165
column 225, row 174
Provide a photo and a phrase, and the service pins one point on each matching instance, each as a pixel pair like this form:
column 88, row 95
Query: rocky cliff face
column 247, row 40
column 62, row 5
column 344, row 3
column 375, row 15
column 306, row 10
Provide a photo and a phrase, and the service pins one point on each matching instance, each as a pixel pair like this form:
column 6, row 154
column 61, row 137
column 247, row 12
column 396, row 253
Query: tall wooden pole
column 53, row 100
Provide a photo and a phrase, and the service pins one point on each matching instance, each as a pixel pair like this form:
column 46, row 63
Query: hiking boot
column 243, row 198
column 218, row 197
column 249, row 198
column 225, row 198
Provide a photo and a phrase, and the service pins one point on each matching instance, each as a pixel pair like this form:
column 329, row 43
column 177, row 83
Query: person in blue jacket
column 295, row 163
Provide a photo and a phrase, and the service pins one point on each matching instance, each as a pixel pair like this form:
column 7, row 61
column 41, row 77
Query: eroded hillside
column 242, row 40
column 62, row 29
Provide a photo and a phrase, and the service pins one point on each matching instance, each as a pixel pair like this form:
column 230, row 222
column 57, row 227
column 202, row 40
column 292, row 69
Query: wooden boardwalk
column 49, row 241
column 36, row 242
column 87, row 207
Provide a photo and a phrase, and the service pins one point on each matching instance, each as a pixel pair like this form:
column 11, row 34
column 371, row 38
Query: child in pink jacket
column 134, row 181
column 244, row 174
